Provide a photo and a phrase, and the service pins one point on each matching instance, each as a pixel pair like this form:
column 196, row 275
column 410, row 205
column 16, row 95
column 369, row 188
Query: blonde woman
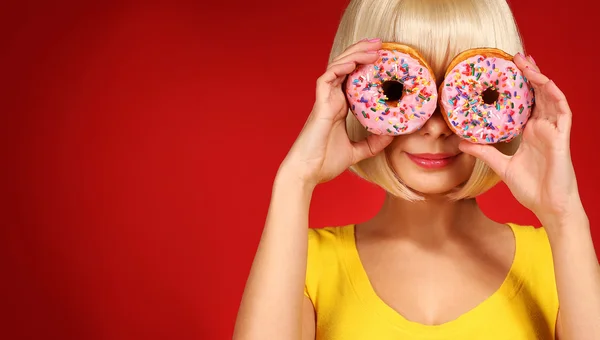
column 430, row 264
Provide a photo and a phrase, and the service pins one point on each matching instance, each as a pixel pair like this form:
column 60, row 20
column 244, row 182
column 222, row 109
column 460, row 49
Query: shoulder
column 323, row 241
column 324, row 255
column 531, row 236
column 327, row 234
column 534, row 266
column 534, row 254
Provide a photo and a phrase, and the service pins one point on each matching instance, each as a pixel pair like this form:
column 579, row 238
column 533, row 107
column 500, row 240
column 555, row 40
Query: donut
column 396, row 94
column 485, row 98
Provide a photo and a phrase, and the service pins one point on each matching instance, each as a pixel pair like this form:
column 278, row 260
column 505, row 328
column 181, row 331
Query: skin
column 426, row 245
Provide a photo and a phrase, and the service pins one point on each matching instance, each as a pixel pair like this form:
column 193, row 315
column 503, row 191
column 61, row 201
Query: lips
column 432, row 160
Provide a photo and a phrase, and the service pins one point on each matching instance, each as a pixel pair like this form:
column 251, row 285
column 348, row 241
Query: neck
column 435, row 219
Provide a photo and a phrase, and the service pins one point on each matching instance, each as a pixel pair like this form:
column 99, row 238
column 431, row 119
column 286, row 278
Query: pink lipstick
column 432, row 160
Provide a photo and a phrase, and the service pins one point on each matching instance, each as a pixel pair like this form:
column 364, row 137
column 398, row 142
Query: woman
column 430, row 264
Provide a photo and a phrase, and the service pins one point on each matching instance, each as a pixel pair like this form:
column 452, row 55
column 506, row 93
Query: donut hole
column 490, row 95
column 393, row 90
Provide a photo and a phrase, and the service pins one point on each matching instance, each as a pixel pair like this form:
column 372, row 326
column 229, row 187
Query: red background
column 130, row 211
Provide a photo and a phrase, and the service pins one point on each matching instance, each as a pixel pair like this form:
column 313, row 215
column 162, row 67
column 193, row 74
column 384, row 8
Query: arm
column 273, row 299
column 541, row 177
column 273, row 305
column 577, row 277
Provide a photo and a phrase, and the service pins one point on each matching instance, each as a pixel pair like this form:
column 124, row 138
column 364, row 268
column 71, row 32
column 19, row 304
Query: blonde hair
column 439, row 30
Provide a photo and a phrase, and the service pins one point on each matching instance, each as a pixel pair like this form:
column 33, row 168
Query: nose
column 436, row 126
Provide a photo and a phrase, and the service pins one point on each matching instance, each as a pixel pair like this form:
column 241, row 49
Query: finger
column 532, row 73
column 561, row 106
column 361, row 46
column 535, row 65
column 370, row 146
column 495, row 159
column 536, row 79
column 334, row 72
column 538, row 82
column 551, row 102
column 363, row 57
column 525, row 62
column 355, row 58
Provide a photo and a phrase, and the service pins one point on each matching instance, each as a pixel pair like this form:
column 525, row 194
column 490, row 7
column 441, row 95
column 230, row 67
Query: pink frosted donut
column 395, row 95
column 484, row 97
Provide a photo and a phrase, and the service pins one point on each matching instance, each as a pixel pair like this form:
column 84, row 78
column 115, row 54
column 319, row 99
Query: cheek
column 398, row 144
column 465, row 166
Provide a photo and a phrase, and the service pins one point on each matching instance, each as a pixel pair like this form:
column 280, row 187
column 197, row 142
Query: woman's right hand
column 323, row 149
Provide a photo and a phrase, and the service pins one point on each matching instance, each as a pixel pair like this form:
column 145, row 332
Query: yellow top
column 524, row 307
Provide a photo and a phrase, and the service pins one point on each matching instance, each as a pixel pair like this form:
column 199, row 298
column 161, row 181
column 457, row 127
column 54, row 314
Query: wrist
column 567, row 237
column 569, row 221
column 289, row 181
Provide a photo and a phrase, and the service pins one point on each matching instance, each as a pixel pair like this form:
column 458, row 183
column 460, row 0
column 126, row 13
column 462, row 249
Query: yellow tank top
column 524, row 307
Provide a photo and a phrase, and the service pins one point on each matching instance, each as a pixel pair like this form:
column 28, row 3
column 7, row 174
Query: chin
column 433, row 186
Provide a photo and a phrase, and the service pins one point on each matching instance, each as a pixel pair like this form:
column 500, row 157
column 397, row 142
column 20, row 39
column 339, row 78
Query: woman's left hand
column 540, row 174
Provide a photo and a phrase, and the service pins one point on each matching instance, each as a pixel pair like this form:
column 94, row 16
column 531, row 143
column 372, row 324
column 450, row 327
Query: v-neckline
column 366, row 293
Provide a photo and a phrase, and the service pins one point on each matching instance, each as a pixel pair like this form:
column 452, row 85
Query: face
column 428, row 160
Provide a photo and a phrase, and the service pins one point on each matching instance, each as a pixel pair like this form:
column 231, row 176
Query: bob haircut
column 439, row 30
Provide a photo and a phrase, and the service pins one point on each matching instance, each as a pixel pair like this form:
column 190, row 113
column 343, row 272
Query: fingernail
column 531, row 68
column 374, row 40
column 531, row 59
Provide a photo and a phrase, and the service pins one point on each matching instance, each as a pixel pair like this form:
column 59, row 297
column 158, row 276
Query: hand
column 323, row 149
column 540, row 175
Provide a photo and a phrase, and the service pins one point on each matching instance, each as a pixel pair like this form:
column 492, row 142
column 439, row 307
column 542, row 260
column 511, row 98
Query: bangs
column 438, row 29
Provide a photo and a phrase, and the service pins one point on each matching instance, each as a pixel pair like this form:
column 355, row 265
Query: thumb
column 495, row 159
column 369, row 147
